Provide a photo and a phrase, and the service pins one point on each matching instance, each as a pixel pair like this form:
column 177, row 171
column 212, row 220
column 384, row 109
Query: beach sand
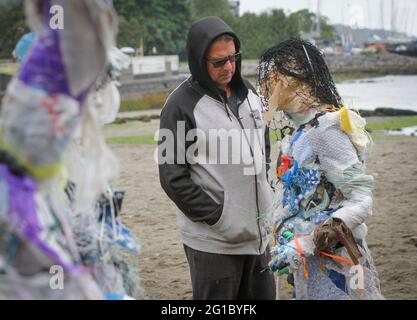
column 163, row 268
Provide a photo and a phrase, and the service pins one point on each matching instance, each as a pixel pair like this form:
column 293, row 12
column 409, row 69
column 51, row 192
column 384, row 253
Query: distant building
column 234, row 6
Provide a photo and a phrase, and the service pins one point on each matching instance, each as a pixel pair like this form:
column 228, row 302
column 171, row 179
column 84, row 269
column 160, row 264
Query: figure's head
column 221, row 57
column 294, row 77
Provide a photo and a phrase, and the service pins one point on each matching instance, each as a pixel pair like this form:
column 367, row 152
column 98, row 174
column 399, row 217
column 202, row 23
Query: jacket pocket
column 219, row 222
column 236, row 224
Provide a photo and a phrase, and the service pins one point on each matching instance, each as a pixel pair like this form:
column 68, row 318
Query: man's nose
column 228, row 65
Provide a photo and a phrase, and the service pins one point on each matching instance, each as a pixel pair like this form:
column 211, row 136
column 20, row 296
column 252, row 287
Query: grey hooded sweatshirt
column 224, row 204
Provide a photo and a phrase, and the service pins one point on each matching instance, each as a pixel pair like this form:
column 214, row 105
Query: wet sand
column 163, row 267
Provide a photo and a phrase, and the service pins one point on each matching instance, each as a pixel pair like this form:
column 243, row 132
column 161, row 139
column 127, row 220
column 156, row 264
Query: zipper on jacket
column 254, row 163
column 252, row 153
column 254, row 121
column 256, row 178
column 227, row 111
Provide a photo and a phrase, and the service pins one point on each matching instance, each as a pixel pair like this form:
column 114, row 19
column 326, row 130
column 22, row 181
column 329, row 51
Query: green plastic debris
column 288, row 235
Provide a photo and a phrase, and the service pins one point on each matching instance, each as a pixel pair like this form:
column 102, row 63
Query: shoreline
column 153, row 114
column 162, row 262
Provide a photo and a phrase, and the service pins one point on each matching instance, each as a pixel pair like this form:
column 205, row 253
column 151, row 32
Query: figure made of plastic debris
column 104, row 243
column 42, row 108
column 323, row 193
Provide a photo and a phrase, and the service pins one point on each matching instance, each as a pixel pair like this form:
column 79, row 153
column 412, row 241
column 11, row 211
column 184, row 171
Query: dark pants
column 230, row 277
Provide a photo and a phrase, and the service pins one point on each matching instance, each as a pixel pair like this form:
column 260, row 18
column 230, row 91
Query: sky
column 375, row 14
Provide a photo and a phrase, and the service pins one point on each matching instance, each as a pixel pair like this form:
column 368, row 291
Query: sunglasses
column 217, row 63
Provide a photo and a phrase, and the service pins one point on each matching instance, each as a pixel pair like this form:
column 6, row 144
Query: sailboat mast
column 318, row 30
column 392, row 18
column 382, row 14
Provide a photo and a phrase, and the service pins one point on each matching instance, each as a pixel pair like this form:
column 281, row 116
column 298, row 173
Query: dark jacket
column 222, row 209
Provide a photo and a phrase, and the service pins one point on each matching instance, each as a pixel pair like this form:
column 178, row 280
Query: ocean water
column 394, row 91
column 408, row 131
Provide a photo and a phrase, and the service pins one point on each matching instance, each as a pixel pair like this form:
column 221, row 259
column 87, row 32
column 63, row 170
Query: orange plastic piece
column 303, row 258
column 286, row 163
column 338, row 258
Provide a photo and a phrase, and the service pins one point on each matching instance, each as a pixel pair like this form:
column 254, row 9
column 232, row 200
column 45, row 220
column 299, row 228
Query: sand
column 163, row 268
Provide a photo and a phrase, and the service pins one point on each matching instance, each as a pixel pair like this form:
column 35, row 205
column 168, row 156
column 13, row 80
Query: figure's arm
column 342, row 167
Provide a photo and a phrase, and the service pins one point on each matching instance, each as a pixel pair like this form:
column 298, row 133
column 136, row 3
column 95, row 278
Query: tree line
column 161, row 27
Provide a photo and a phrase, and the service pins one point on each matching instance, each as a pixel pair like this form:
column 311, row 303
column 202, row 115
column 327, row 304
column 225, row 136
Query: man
column 223, row 207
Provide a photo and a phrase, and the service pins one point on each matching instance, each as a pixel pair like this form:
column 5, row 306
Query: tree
column 280, row 27
column 161, row 24
column 164, row 24
column 204, row 8
column 305, row 21
column 131, row 33
column 327, row 30
column 259, row 32
column 219, row 8
column 127, row 8
column 252, row 34
column 168, row 27
column 12, row 26
column 302, row 20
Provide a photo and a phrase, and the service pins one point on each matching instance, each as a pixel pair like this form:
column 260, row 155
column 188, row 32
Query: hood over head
column 201, row 35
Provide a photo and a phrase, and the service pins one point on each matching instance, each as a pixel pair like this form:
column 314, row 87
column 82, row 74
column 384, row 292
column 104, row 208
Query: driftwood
column 335, row 232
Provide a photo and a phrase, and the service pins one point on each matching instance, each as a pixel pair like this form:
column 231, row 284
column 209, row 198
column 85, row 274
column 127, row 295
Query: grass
column 391, row 123
column 380, row 135
column 146, row 102
column 121, row 126
column 132, row 140
column 9, row 68
column 156, row 100
column 377, row 127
